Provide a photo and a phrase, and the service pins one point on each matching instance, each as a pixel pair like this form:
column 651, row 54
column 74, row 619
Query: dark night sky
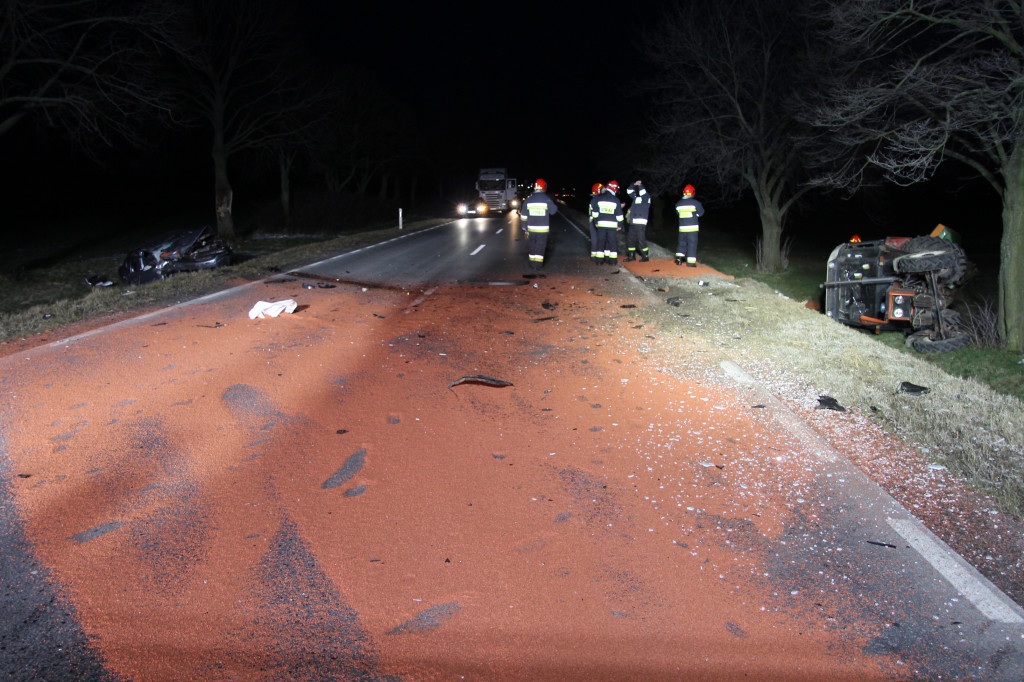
column 542, row 88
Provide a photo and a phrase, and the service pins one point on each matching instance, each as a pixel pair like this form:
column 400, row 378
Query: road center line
column 500, row 230
column 478, row 249
column 957, row 572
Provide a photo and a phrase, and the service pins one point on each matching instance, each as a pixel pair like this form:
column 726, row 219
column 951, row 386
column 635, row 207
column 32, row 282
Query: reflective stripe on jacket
column 689, row 210
column 606, row 210
column 640, row 210
column 538, row 210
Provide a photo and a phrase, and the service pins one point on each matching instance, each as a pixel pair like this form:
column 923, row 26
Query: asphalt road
column 195, row 495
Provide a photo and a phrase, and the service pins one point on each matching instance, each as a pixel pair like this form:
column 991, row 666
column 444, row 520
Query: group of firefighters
column 606, row 220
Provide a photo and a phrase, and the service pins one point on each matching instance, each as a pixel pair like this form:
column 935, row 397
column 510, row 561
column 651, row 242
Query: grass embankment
column 1002, row 370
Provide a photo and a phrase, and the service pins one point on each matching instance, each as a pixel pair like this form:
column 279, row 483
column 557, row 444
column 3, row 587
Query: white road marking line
column 478, row 249
column 500, row 230
column 957, row 572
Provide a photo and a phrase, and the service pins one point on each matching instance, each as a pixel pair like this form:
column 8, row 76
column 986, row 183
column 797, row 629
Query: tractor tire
column 922, row 342
column 927, row 254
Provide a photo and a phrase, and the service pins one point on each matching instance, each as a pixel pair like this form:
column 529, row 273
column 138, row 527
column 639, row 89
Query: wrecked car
column 175, row 252
column 900, row 283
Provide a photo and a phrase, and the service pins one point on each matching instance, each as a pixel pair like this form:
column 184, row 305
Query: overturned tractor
column 900, row 283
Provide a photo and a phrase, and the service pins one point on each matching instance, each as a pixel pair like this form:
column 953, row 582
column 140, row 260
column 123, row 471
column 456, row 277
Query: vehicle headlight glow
column 515, row 203
column 481, row 208
column 461, row 209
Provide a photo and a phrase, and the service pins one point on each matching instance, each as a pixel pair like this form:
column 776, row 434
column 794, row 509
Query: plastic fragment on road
column 826, row 402
column 264, row 308
column 912, row 389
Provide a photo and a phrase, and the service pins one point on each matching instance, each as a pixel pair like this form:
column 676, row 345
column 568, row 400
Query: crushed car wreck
column 900, row 283
column 175, row 252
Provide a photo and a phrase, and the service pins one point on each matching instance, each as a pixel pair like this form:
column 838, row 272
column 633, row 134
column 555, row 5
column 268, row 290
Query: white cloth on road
column 264, row 308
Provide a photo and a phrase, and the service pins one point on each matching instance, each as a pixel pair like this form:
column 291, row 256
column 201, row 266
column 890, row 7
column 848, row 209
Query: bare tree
column 910, row 85
column 726, row 73
column 236, row 69
column 366, row 135
column 73, row 65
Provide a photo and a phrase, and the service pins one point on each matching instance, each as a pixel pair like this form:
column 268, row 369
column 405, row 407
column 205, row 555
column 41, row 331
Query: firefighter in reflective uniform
column 639, row 211
column 594, row 253
column 606, row 213
column 537, row 210
column 689, row 211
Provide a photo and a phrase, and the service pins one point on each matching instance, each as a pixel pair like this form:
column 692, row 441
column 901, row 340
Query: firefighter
column 689, row 210
column 538, row 209
column 639, row 211
column 606, row 214
column 595, row 255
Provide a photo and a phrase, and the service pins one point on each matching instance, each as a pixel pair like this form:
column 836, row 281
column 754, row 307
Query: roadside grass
column 1000, row 369
column 799, row 355
column 35, row 301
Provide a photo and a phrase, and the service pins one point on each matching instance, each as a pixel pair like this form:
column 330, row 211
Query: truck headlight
column 461, row 209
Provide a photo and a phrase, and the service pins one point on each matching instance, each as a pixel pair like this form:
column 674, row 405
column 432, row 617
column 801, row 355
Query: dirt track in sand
column 310, row 496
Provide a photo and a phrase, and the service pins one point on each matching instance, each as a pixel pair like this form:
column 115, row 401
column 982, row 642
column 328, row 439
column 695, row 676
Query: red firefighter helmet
column 689, row 191
column 612, row 186
column 855, row 239
column 541, row 185
column 596, row 189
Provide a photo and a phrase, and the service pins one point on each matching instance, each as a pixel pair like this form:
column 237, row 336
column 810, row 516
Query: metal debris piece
column 544, row 319
column 912, row 389
column 547, row 305
column 674, row 300
column 826, row 402
column 627, row 305
column 881, row 544
column 480, row 379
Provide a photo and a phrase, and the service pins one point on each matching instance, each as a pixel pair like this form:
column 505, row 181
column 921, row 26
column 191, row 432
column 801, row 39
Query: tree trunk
column 1011, row 253
column 769, row 256
column 284, row 166
column 223, row 195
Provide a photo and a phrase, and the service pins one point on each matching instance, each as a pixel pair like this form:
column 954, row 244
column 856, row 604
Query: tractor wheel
column 929, row 341
column 927, row 254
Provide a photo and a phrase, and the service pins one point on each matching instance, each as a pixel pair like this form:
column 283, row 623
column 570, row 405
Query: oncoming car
column 477, row 207
column 174, row 252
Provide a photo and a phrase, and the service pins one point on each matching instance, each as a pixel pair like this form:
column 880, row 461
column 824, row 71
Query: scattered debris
column 480, row 379
column 912, row 389
column 826, row 402
column 215, row 325
column 307, row 285
column 273, row 309
column 881, row 544
column 547, row 305
column 341, row 431
column 98, row 281
column 544, row 319
column 627, row 305
column 674, row 300
column 325, row 285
